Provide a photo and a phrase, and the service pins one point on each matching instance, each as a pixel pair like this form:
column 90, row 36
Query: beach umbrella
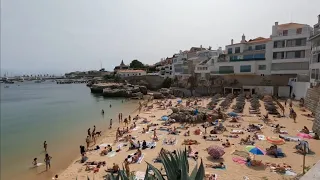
column 215, row 151
column 305, row 136
column 179, row 101
column 164, row 118
column 196, row 112
column 255, row 150
column 276, row 140
column 232, row 114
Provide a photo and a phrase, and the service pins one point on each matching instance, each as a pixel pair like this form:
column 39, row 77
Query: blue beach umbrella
column 196, row 112
column 179, row 101
column 232, row 114
column 255, row 150
column 164, row 118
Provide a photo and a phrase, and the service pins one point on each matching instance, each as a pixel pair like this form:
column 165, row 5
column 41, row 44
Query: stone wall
column 312, row 102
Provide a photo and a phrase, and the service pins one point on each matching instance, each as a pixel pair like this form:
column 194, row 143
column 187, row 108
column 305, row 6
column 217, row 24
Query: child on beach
column 110, row 123
column 88, row 141
column 34, row 162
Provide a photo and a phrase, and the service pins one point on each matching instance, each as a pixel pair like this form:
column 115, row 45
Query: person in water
column 35, row 162
column 110, row 123
column 102, row 112
column 47, row 160
column 45, row 146
column 110, row 105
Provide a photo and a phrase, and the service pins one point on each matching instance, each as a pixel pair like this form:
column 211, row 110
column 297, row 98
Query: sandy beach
column 233, row 170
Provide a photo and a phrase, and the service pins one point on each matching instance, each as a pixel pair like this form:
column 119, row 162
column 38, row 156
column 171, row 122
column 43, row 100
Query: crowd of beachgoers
column 242, row 145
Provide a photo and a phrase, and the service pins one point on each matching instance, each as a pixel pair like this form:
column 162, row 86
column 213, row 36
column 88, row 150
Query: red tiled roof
column 259, row 40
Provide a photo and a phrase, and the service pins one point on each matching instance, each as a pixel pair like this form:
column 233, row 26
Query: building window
column 278, row 44
column 260, row 47
column 229, row 50
column 285, row 32
column 278, row 55
column 226, row 69
column 250, row 48
column 139, row 74
column 295, row 54
column 299, row 30
column 245, row 68
column 317, row 74
column 237, row 50
column 262, row 67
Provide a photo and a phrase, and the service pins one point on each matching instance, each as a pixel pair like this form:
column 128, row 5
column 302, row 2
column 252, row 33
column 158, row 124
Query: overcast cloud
column 57, row 36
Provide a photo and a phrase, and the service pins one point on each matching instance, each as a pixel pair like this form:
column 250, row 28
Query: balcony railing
column 249, row 59
column 222, row 72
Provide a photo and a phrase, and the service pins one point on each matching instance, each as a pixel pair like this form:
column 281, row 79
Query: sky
column 58, row 36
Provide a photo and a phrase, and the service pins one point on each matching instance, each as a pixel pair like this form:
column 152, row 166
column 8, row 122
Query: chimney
column 243, row 40
column 276, row 23
column 231, row 41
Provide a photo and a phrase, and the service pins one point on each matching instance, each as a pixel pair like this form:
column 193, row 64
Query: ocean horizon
column 60, row 114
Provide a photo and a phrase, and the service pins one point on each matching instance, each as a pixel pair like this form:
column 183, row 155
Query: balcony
column 222, row 72
column 249, row 59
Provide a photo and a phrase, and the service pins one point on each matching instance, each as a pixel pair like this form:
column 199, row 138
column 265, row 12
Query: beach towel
column 105, row 144
column 224, row 168
column 243, row 154
column 290, row 138
column 261, row 137
column 236, row 131
column 136, row 128
column 140, row 159
column 239, row 160
column 165, row 142
column 111, row 154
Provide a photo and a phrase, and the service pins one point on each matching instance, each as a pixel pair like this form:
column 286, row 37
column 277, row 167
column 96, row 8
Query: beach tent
column 164, row 118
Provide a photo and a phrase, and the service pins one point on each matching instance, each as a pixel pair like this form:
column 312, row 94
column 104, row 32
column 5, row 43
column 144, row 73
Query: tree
column 135, row 64
column 192, row 81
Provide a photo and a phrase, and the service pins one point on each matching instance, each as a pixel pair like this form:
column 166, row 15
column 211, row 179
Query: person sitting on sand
column 171, row 141
column 316, row 136
column 104, row 152
column 272, row 151
column 115, row 168
column 226, row 144
column 246, row 140
column 215, row 166
column 234, row 120
column 277, row 129
column 35, row 162
column 305, row 130
column 138, row 153
column 266, row 117
column 214, row 131
column 143, row 131
column 144, row 144
column 191, row 153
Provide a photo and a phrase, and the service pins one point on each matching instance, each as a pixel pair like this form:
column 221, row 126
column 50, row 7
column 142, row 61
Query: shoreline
column 77, row 170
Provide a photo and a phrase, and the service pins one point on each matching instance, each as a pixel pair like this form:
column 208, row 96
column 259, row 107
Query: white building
column 130, row 72
column 179, row 63
column 315, row 53
column 205, row 61
column 166, row 68
column 290, row 48
column 246, row 57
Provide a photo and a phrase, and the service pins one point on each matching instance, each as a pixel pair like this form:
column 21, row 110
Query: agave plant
column 176, row 167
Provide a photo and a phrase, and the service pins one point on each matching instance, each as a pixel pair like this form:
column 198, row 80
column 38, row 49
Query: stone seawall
column 312, row 102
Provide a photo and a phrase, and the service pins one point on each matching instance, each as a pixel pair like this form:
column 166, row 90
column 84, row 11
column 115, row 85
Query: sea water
column 60, row 114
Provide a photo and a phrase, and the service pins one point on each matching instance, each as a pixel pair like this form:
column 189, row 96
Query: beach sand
column 233, row 170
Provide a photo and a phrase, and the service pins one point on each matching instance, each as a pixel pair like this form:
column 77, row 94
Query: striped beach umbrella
column 215, row 151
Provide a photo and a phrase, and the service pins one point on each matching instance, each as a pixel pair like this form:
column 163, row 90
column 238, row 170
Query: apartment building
column 205, row 61
column 315, row 53
column 166, row 68
column 290, row 48
column 245, row 57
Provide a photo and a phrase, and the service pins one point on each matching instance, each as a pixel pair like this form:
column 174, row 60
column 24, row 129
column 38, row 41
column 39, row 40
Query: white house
column 246, row 57
column 206, row 58
column 291, row 48
column 315, row 53
column 130, row 72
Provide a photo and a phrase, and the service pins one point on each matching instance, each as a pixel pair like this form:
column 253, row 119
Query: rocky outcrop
column 187, row 114
column 119, row 90
column 158, row 95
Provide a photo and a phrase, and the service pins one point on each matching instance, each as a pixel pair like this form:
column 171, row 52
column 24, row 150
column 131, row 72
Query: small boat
column 8, row 82
column 37, row 81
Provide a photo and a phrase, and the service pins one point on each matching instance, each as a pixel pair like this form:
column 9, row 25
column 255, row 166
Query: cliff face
column 312, row 102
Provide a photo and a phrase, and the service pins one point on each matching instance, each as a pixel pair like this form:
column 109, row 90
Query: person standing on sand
column 110, row 123
column 47, row 160
column 93, row 131
column 155, row 137
column 88, row 142
column 89, row 132
column 126, row 166
column 119, row 118
column 129, row 119
column 126, row 122
column 45, row 146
